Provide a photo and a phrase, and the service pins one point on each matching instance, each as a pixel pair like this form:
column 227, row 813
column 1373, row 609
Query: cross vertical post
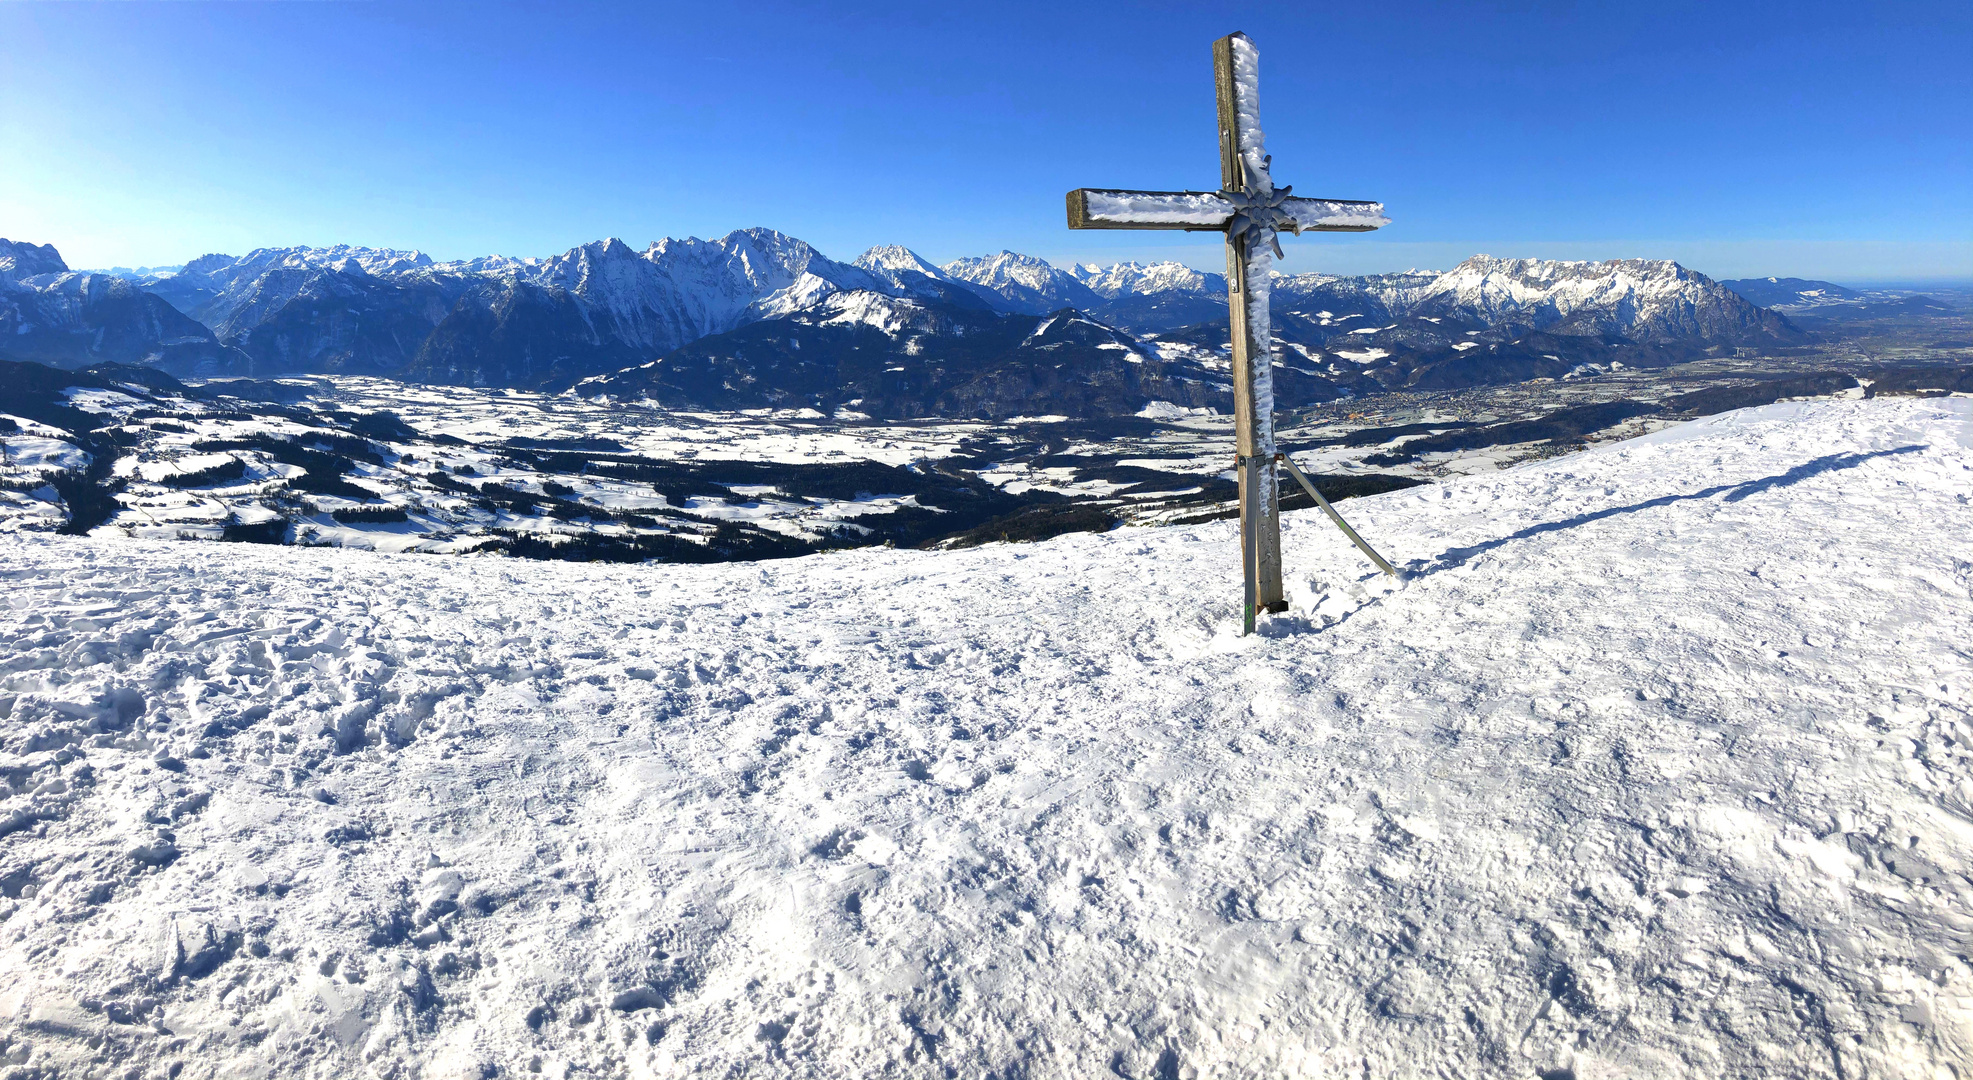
column 1251, row 211
column 1252, row 359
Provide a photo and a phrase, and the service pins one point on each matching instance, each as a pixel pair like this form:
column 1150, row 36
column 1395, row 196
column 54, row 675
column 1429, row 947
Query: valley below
column 378, row 464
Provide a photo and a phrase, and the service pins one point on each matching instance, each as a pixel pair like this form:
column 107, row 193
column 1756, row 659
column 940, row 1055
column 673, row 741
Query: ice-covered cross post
column 1251, row 211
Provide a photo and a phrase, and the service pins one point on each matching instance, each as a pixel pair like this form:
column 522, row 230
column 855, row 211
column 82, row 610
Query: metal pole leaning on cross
column 1361, row 544
column 1252, row 212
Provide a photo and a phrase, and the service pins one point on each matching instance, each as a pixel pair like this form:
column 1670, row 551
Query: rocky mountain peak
column 610, row 248
column 206, row 264
column 19, row 258
column 896, row 257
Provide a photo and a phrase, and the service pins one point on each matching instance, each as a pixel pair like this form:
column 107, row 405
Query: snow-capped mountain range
column 671, row 293
column 1136, row 279
column 1648, row 299
column 604, row 306
column 55, row 316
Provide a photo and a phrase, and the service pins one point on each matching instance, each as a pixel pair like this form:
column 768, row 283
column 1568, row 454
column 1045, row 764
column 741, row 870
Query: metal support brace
column 1334, row 516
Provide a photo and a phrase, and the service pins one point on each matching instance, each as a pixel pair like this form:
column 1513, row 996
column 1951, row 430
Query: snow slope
column 1657, row 765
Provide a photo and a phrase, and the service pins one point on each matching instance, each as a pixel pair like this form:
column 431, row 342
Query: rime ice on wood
column 1247, row 108
column 1209, row 211
column 1336, row 215
column 1260, row 268
column 1251, row 211
column 1203, row 210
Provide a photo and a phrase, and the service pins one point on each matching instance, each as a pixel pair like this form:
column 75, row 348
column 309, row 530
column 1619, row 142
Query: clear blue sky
column 1817, row 139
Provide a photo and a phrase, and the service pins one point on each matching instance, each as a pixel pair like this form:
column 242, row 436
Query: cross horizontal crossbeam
column 1208, row 211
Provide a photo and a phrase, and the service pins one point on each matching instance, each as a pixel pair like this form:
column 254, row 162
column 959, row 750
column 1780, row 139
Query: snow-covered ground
column 1657, row 764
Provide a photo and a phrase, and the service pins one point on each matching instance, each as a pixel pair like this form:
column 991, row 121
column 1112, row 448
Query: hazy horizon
column 1821, row 140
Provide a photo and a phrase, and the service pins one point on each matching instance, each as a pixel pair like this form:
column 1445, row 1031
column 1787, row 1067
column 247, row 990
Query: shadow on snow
column 1452, row 557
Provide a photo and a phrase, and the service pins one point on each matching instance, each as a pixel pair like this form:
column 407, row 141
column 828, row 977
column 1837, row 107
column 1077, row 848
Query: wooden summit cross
column 1251, row 211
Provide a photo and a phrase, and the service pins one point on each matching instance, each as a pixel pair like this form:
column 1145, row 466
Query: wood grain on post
column 1231, row 176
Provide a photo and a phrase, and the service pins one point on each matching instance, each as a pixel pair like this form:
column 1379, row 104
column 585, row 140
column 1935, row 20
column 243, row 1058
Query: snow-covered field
column 1659, row 763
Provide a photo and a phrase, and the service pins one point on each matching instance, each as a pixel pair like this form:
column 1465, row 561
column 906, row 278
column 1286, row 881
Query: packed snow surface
column 1657, row 764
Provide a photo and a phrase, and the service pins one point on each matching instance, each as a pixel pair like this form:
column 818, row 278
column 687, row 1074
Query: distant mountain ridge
column 1491, row 320
column 907, row 274
column 1790, row 292
column 1024, row 283
column 21, row 259
column 373, row 310
column 604, row 307
column 1651, row 300
column 51, row 314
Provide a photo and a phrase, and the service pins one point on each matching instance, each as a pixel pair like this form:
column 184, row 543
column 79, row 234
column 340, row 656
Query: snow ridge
column 903, row 273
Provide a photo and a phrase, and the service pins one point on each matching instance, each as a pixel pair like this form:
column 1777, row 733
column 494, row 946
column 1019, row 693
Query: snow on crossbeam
column 1206, row 211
